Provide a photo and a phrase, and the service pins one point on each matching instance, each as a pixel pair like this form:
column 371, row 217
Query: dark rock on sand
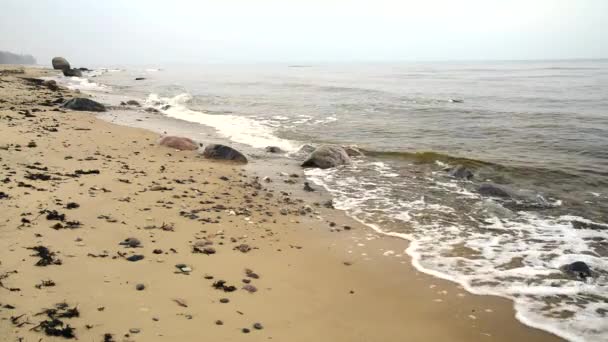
column 577, row 269
column 84, row 104
column 179, row 143
column 133, row 103
column 273, row 149
column 72, row 73
column 460, row 172
column 307, row 187
column 493, row 190
column 51, row 84
column 223, row 152
column 60, row 63
column 140, row 78
column 327, row 156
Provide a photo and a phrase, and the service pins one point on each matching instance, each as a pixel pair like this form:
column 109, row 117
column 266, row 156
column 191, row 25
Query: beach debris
column 219, row 322
column 245, row 331
column 46, row 256
column 45, row 283
column 224, row 300
column 243, row 248
column 250, row 288
column 135, row 257
column 258, row 326
column 53, row 215
column 86, row 172
column 249, row 273
column 307, row 187
column 180, row 302
column 140, row 287
column 223, row 152
column 131, row 242
column 72, row 205
column 54, row 326
column 221, row 285
column 107, row 337
column 184, row 268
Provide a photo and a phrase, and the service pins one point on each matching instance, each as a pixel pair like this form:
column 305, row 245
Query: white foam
column 542, row 245
column 236, row 128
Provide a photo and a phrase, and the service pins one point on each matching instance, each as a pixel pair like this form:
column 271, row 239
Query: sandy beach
column 214, row 254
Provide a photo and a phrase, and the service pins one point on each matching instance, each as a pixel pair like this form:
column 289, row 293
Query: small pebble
column 134, row 331
column 140, row 287
column 224, row 300
column 219, row 322
column 258, row 326
column 245, row 331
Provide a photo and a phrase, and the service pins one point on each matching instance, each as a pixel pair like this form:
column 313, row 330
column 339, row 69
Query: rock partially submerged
column 72, row 72
column 84, row 104
column 223, row 152
column 460, row 172
column 179, row 143
column 493, row 190
column 353, row 151
column 578, row 269
column 273, row 149
column 327, row 156
column 60, row 63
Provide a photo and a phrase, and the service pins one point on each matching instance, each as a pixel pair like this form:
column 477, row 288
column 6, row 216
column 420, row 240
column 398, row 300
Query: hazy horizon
column 141, row 32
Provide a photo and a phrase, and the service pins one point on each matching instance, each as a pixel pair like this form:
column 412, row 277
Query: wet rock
column 576, row 224
column 493, row 190
column 327, row 156
column 460, row 172
column 179, row 143
column 72, row 72
column 223, row 152
column 353, row 151
column 329, row 204
column 84, row 104
column 133, row 103
column 578, row 269
column 273, row 149
column 60, row 63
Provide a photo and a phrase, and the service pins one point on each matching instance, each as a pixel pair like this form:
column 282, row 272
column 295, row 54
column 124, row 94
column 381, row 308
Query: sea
column 538, row 129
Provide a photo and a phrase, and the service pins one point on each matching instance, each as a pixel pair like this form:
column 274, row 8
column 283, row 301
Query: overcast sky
column 117, row 32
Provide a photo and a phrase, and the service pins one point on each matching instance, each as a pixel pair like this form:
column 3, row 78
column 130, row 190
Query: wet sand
column 287, row 263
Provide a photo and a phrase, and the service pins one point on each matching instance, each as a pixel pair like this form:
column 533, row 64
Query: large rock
column 493, row 190
column 353, row 151
column 84, row 104
column 60, row 63
column 179, row 143
column 223, row 152
column 327, row 156
column 72, row 73
column 578, row 269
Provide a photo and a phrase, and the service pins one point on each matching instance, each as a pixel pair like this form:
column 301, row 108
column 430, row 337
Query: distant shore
column 145, row 243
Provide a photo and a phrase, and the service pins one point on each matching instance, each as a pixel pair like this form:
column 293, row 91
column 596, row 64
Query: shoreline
column 306, row 271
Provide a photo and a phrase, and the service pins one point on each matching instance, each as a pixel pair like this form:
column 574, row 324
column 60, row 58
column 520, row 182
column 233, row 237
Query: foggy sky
column 119, row 32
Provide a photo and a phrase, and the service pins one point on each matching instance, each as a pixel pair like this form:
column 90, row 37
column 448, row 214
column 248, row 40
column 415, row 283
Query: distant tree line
column 13, row 58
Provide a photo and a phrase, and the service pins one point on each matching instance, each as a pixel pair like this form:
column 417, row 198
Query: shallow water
column 538, row 128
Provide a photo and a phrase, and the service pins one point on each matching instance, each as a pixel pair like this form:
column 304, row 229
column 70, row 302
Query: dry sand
column 314, row 283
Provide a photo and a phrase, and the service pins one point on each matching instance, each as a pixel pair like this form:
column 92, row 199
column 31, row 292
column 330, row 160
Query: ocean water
column 539, row 129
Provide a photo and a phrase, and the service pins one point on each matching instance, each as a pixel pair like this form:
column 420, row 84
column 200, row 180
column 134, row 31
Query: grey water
column 536, row 128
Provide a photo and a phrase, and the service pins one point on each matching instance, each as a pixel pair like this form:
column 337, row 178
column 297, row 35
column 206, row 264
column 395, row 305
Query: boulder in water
column 223, row 152
column 60, row 63
column 578, row 269
column 179, row 143
column 72, row 72
column 273, row 149
column 133, row 103
column 327, row 156
column 84, row 104
column 493, row 190
column 460, row 172
column 353, row 151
